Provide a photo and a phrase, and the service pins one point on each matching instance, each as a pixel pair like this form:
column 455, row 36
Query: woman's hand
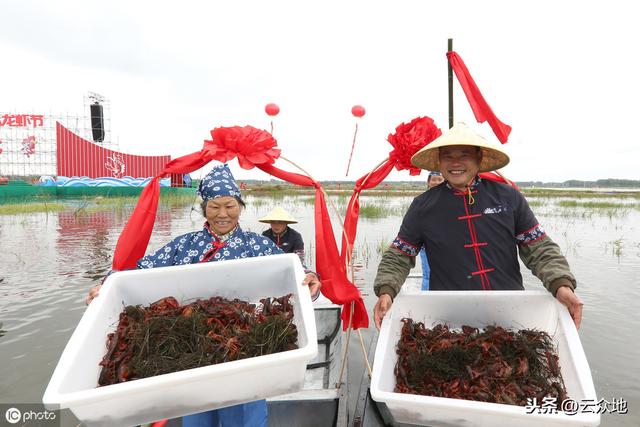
column 314, row 284
column 382, row 306
column 93, row 292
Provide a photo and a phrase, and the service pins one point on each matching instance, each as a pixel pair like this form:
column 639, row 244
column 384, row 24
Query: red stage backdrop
column 78, row 157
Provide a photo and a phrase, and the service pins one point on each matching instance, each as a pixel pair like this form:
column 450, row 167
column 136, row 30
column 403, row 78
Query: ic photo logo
column 28, row 415
column 13, row 415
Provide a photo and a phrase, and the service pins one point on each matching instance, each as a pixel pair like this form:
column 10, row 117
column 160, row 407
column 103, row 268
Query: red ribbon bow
column 250, row 145
column 406, row 141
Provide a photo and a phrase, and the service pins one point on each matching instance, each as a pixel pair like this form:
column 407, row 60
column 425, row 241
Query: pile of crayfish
column 167, row 337
column 490, row 365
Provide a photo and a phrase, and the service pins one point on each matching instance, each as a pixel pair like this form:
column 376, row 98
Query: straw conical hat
column 278, row 214
column 460, row 134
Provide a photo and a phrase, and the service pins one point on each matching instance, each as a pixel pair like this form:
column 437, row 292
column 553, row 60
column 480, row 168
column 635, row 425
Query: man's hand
column 570, row 300
column 93, row 292
column 311, row 280
column 382, row 306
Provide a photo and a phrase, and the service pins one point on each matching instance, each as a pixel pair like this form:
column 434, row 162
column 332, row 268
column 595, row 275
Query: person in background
column 186, row 180
column 220, row 239
column 435, row 178
column 472, row 229
column 286, row 238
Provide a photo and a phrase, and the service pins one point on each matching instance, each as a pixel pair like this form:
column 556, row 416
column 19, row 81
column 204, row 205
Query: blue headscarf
column 218, row 183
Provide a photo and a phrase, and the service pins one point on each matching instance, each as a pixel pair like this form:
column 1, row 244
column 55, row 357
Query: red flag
column 480, row 108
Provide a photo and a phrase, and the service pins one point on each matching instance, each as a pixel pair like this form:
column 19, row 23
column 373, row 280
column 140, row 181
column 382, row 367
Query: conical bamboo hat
column 278, row 214
column 493, row 157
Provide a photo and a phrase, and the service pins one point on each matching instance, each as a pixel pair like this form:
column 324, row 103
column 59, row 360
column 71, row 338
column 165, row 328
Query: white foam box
column 510, row 309
column 74, row 382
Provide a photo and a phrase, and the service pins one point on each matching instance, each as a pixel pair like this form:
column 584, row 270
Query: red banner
column 76, row 156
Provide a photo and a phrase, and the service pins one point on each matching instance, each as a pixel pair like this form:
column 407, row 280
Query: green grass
column 91, row 204
column 307, row 200
column 394, row 190
column 26, row 208
column 616, row 247
column 373, row 211
column 257, row 202
column 383, row 245
column 277, row 190
column 174, row 199
column 593, row 205
column 344, row 191
column 586, row 194
column 536, row 203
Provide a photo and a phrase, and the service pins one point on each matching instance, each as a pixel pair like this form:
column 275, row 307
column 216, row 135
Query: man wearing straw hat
column 286, row 238
column 472, row 229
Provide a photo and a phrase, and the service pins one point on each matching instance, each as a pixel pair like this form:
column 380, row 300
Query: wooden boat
column 321, row 402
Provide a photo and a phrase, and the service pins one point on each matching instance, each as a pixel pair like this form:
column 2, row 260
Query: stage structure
column 34, row 144
column 28, row 139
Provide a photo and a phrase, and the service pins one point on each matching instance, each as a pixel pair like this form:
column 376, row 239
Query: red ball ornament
column 358, row 110
column 272, row 109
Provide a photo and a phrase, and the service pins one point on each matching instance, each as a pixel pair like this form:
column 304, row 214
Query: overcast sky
column 563, row 74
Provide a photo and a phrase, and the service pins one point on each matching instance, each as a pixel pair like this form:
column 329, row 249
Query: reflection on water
column 49, row 261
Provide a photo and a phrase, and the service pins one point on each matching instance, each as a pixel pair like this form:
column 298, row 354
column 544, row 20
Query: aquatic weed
column 373, row 211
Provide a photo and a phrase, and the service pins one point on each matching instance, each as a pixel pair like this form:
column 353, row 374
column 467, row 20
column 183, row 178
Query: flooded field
column 50, row 260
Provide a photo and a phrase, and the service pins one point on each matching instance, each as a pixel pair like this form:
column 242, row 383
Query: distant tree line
column 574, row 183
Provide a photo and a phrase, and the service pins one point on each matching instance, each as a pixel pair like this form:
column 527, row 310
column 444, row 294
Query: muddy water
column 49, row 261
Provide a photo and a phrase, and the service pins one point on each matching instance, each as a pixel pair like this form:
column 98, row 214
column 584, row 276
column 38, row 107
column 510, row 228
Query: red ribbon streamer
column 493, row 176
column 353, row 208
column 480, row 107
column 135, row 236
column 333, row 275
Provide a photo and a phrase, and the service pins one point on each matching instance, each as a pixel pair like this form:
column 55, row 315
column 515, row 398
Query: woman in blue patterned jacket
column 221, row 238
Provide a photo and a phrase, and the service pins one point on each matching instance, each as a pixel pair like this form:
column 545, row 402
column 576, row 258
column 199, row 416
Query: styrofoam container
column 74, row 381
column 509, row 309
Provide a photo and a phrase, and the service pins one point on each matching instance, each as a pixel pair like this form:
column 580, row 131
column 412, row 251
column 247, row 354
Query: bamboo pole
column 352, row 270
column 349, row 256
column 450, row 76
column 353, row 145
column 346, row 347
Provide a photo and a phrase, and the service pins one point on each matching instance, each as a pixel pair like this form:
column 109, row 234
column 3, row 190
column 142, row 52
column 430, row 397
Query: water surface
column 49, row 262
